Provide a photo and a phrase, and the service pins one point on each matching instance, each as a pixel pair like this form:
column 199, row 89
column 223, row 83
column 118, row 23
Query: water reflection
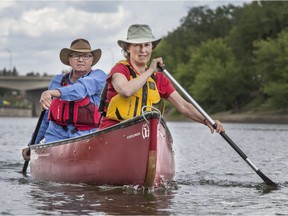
column 85, row 199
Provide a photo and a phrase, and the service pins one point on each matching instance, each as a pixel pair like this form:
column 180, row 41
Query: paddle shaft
column 223, row 134
column 26, row 163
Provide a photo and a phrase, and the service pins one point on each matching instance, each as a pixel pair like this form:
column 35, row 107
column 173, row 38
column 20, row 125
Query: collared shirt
column 90, row 85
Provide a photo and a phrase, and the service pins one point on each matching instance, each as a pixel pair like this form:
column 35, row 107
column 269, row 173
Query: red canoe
column 138, row 151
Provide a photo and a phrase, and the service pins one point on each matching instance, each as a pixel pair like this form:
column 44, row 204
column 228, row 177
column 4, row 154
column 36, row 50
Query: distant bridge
column 30, row 87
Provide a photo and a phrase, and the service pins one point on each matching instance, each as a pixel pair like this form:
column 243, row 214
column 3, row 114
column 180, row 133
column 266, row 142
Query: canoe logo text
column 145, row 131
column 133, row 135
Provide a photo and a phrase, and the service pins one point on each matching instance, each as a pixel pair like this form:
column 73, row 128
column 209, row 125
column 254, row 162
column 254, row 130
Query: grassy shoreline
column 271, row 117
column 265, row 117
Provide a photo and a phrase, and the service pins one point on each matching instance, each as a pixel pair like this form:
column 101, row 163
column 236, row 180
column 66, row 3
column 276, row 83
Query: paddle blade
column 267, row 181
column 25, row 166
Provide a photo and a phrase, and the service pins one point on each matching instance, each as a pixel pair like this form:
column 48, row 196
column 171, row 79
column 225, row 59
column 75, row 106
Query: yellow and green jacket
column 122, row 108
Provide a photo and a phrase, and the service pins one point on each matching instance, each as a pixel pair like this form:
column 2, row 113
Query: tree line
column 233, row 57
column 14, row 72
column 5, row 72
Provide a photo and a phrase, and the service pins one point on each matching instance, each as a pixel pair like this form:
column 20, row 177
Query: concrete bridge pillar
column 30, row 88
column 34, row 97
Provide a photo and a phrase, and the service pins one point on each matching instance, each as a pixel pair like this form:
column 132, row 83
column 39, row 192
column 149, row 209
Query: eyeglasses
column 78, row 56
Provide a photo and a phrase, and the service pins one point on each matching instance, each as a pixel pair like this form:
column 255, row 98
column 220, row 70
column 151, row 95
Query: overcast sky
column 33, row 32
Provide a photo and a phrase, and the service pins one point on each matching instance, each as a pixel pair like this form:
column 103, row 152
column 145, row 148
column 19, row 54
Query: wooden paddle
column 267, row 181
column 25, row 166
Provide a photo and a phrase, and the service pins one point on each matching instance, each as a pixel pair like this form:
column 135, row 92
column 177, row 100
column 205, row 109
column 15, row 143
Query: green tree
column 271, row 65
column 200, row 24
column 216, row 81
column 258, row 20
column 14, row 72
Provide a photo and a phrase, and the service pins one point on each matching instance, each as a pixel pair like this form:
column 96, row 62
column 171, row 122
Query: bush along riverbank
column 272, row 117
column 266, row 117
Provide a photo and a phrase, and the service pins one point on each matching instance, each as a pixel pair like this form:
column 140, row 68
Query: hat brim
column 139, row 41
column 64, row 55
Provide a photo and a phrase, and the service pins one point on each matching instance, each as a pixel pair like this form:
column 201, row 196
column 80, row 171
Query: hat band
column 141, row 37
column 81, row 50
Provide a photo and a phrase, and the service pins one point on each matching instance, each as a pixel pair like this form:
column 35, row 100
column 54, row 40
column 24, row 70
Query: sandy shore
column 247, row 117
column 253, row 117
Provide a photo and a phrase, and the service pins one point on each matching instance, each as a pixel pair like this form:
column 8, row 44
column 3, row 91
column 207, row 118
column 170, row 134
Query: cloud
column 33, row 32
column 46, row 22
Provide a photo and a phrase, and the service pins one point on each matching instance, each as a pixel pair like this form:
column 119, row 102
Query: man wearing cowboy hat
column 79, row 88
column 134, row 86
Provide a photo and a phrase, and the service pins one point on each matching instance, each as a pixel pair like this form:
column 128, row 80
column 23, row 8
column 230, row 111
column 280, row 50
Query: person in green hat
column 133, row 86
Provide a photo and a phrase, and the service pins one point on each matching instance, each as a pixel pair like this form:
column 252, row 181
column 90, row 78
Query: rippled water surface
column 211, row 178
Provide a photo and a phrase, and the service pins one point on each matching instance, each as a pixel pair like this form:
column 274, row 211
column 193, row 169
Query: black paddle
column 267, row 181
column 24, row 169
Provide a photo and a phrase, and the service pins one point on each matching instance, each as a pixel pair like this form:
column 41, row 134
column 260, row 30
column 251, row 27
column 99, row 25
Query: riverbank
column 266, row 117
column 14, row 112
column 272, row 117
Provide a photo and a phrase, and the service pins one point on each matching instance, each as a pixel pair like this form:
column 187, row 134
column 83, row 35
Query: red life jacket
column 83, row 114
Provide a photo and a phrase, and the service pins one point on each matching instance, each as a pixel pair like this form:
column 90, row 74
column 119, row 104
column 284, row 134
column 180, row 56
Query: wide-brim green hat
column 82, row 46
column 138, row 34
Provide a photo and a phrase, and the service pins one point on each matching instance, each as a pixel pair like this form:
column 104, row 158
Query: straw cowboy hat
column 82, row 46
column 139, row 33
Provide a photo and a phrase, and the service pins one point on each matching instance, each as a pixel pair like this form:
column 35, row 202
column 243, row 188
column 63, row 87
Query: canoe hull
column 137, row 152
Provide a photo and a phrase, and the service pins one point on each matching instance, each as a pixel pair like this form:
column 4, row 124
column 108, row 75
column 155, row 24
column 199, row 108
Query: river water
column 211, row 178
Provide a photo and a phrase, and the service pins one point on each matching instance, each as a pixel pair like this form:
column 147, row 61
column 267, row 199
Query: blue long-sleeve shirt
column 89, row 85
